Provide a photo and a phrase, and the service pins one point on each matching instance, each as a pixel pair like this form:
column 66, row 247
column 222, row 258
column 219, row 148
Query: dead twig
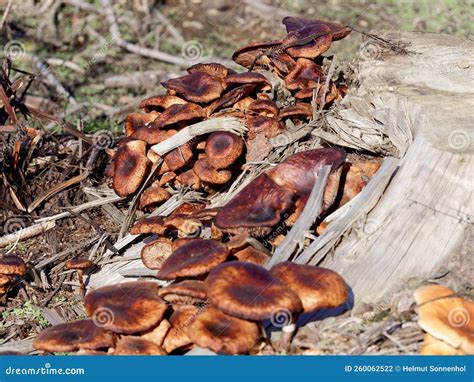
column 26, row 233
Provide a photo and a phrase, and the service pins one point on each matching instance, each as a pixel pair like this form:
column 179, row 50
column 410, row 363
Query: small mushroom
column 196, row 87
column 130, row 167
column 128, row 308
column 249, row 291
column 222, row 333
column 80, row 265
column 230, row 98
column 255, row 209
column 71, row 336
column 136, row 121
column 194, row 258
column 446, row 316
column 212, row 68
column 305, row 75
column 316, row 287
column 190, row 178
column 161, row 102
column 209, row 174
column 180, row 320
column 299, row 109
column 260, row 124
column 154, row 253
column 319, row 39
column 338, row 31
column 10, row 267
column 186, row 292
column 251, row 255
column 223, row 149
column 184, row 224
column 253, row 54
column 132, row 345
column 153, row 195
column 264, row 107
column 151, row 224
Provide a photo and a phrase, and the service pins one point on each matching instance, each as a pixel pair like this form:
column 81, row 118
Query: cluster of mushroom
column 447, row 320
column 212, row 90
column 11, row 266
column 223, row 313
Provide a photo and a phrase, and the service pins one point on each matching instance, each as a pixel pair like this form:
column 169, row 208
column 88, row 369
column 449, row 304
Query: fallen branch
column 26, row 233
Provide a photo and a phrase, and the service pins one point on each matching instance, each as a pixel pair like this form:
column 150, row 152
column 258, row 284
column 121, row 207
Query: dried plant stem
column 230, row 124
column 26, row 233
column 310, row 213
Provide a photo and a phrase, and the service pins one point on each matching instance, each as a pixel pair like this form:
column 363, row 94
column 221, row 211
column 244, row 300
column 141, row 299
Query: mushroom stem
column 287, row 333
column 82, row 288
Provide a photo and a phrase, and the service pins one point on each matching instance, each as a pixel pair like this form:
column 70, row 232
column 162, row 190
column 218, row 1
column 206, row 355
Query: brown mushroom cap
column 152, row 224
column 230, row 98
column 255, row 209
column 136, row 121
column 195, row 257
column 152, row 134
column 251, row 255
column 305, row 75
column 130, row 167
column 209, row 174
column 213, row 68
column 185, row 224
column 4, row 281
column 179, row 157
column 338, row 31
column 78, row 263
column 247, row 78
column 249, row 291
column 196, row 87
column 128, row 308
column 189, row 178
column 154, row 253
column 161, row 102
column 179, row 113
column 264, row 107
column 259, row 124
column 319, row 40
column 12, row 265
column 299, row 109
column 188, row 292
column 153, row 195
column 297, row 173
column 180, row 320
column 131, row 345
column 222, row 333
column 70, row 336
column 247, row 55
column 316, row 287
column 446, row 316
column 283, row 62
column 223, row 149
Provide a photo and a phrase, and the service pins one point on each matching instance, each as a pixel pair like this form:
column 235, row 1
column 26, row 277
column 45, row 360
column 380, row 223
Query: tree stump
column 425, row 102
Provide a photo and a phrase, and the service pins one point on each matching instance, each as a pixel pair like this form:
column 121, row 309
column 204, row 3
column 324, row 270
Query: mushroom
column 177, row 337
column 254, row 53
column 212, row 68
column 222, row 333
column 316, row 287
column 136, row 121
column 161, row 102
column 264, row 107
column 299, row 109
column 10, row 266
column 184, row 224
column 131, row 307
column 130, row 167
column 248, row 291
column 223, row 149
column 209, row 174
column 196, row 87
column 255, row 209
column 179, row 113
column 151, row 224
column 71, row 336
column 189, row 178
column 186, row 292
column 194, row 258
column 251, row 255
column 154, row 253
column 248, row 78
column 446, row 316
column 305, row 75
column 338, row 31
column 132, row 345
column 260, row 124
column 319, row 39
column 179, row 157
column 80, row 265
column 153, row 195
column 230, row 98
